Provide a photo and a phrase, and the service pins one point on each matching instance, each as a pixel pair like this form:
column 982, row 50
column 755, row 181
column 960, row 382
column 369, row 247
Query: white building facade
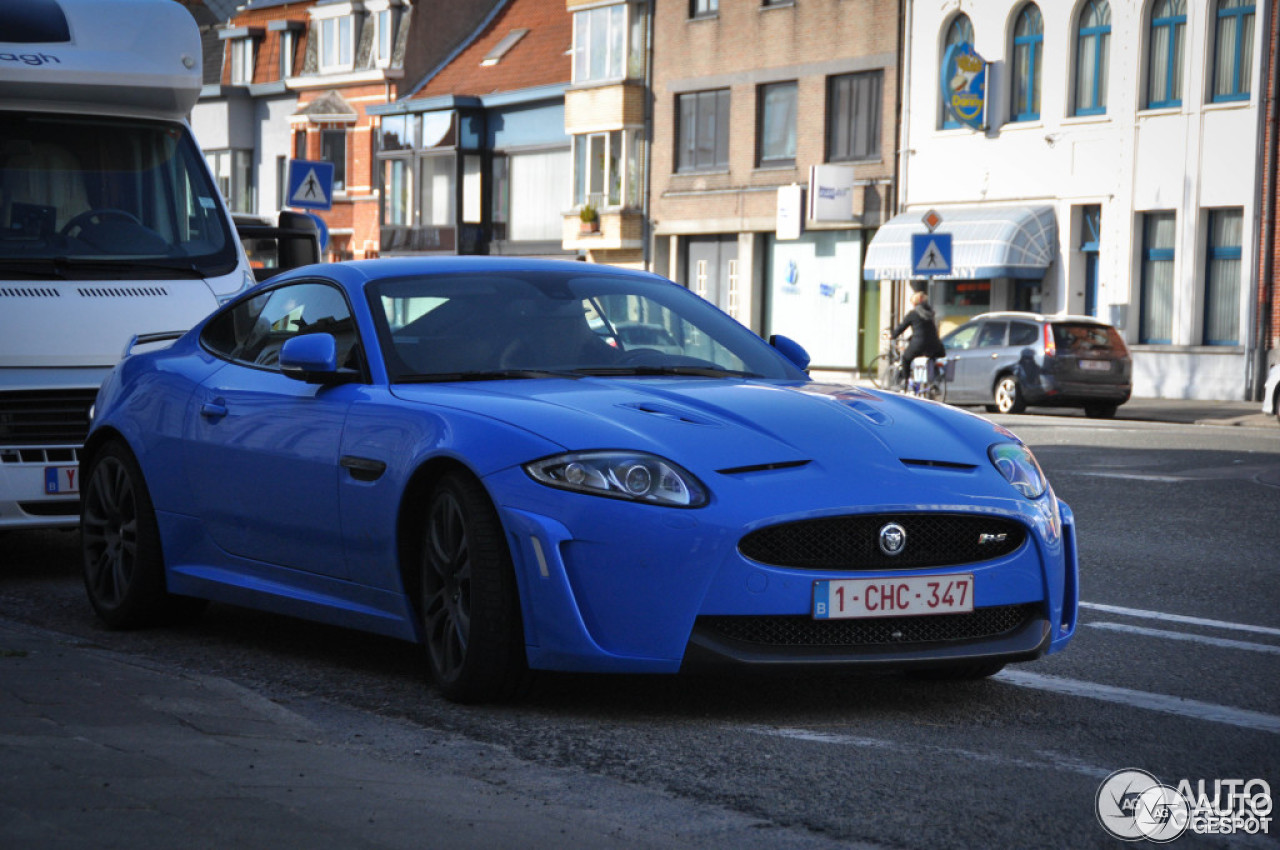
column 1113, row 171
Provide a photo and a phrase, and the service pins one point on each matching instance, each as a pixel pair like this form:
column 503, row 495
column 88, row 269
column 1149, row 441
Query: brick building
column 774, row 140
column 1268, row 292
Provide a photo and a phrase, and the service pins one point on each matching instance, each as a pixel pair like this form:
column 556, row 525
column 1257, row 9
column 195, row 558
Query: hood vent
column 764, row 467
column 944, row 465
column 668, row 412
column 123, row 292
column 29, row 292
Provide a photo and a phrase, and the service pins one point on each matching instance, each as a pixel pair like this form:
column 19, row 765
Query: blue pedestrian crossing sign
column 310, row 185
column 930, row 254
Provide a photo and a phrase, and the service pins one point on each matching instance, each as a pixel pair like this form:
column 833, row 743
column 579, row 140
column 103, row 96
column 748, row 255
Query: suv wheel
column 1008, row 395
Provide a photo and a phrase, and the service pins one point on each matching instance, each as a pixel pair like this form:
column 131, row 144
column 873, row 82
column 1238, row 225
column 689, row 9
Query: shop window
column 1165, row 44
column 702, row 131
column 1222, row 278
column 1233, row 50
column 1093, row 55
column 1158, row 240
column 854, row 111
column 529, row 194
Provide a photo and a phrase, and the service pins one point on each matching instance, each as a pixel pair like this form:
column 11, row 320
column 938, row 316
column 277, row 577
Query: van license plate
column 1096, row 365
column 61, row 480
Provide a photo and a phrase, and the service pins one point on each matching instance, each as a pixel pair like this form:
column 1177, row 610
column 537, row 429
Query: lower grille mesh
column 880, row 631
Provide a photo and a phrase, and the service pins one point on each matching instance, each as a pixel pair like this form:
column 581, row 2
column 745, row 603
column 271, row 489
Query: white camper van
column 110, row 222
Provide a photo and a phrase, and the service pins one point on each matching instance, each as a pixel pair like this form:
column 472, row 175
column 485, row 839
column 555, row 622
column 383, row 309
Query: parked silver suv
column 1008, row 361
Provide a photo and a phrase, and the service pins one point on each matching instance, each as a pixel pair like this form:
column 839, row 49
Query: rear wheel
column 470, row 605
column 120, row 546
column 1008, row 395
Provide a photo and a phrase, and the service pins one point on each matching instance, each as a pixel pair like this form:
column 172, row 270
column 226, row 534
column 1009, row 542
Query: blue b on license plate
column 61, row 480
column 892, row 597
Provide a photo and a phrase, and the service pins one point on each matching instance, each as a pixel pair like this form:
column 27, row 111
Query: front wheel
column 883, row 371
column 120, row 546
column 470, row 605
column 1008, row 396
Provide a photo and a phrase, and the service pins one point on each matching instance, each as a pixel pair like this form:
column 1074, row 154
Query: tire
column 960, row 672
column 120, row 546
column 1008, row 395
column 470, row 607
column 1100, row 411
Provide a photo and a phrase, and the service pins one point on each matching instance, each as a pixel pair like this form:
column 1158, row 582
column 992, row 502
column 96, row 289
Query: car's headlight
column 636, row 476
column 1018, row 465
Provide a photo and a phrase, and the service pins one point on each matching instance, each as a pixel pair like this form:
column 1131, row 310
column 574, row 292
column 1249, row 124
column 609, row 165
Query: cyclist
column 924, row 334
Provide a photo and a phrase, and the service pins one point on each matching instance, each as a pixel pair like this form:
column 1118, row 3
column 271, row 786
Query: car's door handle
column 213, row 409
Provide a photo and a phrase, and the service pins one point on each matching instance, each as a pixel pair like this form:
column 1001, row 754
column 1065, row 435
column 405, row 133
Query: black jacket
column 924, row 331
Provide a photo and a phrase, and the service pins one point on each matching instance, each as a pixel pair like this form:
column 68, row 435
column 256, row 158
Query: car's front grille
column 45, row 417
column 803, row 631
column 853, row 542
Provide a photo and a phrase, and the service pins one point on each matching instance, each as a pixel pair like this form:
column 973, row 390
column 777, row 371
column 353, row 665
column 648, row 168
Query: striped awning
column 986, row 242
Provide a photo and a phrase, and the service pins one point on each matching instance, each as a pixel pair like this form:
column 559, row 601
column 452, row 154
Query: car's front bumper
column 619, row 587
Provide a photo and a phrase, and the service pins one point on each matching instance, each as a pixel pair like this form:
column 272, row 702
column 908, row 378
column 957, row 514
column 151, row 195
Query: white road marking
column 1132, row 476
column 1191, row 708
column 1052, row 759
column 1223, row 643
column 1179, row 618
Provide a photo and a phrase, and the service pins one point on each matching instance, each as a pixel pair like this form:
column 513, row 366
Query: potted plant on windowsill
column 590, row 219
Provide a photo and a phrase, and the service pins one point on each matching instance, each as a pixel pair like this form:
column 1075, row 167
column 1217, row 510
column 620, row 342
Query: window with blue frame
column 1158, row 240
column 1091, row 246
column 1093, row 55
column 1028, row 49
column 959, row 32
column 1233, row 50
column 1165, row 45
column 1222, row 278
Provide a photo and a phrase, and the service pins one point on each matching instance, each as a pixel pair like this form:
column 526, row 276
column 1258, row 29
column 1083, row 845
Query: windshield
column 81, row 196
column 535, row 323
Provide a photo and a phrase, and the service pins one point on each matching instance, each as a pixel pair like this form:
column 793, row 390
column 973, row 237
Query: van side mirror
column 299, row 240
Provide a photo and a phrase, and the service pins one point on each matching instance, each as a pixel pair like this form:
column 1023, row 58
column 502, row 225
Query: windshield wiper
column 485, row 375
column 690, row 371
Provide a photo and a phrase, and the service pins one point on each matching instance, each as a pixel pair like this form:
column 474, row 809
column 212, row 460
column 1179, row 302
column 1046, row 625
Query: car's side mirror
column 791, row 350
column 312, row 358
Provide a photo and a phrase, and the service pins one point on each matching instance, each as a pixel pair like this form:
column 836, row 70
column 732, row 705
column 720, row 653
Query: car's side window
column 254, row 331
column 962, row 337
column 1023, row 333
column 992, row 334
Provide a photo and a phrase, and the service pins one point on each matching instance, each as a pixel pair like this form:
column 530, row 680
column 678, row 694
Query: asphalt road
column 1173, row 671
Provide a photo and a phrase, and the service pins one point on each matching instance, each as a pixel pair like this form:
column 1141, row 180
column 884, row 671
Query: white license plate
column 1095, row 365
column 61, row 480
column 839, row 599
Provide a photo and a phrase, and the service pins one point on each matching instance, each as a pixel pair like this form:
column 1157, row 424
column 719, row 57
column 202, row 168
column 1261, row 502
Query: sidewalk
column 102, row 750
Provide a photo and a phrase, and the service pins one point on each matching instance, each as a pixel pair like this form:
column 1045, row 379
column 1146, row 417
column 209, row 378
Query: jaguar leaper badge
column 893, row 539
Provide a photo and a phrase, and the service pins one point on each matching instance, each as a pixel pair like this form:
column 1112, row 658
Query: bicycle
column 927, row 379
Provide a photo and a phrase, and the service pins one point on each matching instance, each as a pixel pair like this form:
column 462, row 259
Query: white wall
column 1129, row 161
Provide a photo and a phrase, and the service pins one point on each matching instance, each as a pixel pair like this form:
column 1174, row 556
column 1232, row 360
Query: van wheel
column 1008, row 396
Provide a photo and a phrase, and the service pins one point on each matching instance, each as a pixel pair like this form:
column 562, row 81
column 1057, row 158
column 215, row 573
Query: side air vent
column 946, row 465
column 29, row 292
column 123, row 292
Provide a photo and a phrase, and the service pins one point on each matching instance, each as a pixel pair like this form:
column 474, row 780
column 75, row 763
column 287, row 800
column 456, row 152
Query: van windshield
column 85, row 196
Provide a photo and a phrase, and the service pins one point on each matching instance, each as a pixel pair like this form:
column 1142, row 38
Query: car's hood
column 721, row 425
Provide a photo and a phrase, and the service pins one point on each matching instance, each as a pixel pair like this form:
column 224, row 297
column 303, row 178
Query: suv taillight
column 1050, row 348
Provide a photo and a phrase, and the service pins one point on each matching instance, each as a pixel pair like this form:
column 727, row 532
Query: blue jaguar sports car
column 468, row 453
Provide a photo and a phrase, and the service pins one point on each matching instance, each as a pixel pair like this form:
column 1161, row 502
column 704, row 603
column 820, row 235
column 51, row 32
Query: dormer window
column 337, row 47
column 288, row 33
column 382, row 37
column 241, row 61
